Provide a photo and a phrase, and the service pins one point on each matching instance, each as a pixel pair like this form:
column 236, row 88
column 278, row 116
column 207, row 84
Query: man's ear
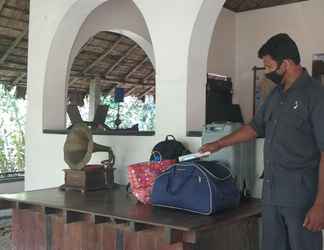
column 286, row 63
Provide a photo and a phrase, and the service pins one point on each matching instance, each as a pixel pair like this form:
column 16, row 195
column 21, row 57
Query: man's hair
column 280, row 47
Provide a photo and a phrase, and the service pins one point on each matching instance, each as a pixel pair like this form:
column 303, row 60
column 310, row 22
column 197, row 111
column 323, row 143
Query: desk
column 112, row 219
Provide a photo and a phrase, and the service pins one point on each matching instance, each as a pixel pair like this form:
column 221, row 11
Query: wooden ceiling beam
column 260, row 4
column 13, row 45
column 2, row 4
column 103, row 56
column 18, row 79
column 147, row 92
column 129, row 51
column 129, row 92
column 128, row 83
column 6, row 68
column 140, row 64
column 148, row 76
column 10, row 7
column 113, row 86
column 99, row 59
column 14, row 19
column 121, row 82
column 239, row 6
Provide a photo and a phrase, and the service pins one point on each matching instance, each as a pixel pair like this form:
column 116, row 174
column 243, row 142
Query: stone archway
column 82, row 21
column 197, row 62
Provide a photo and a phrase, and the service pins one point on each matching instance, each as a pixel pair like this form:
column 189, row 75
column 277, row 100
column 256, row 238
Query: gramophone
column 78, row 149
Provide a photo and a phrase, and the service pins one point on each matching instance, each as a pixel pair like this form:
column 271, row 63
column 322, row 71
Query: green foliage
column 132, row 111
column 12, row 131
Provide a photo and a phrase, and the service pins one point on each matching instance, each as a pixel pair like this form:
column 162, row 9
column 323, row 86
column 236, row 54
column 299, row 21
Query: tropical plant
column 132, row 111
column 12, row 131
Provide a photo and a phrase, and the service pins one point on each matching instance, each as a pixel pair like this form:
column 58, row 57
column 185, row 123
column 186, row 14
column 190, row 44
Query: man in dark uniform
column 292, row 122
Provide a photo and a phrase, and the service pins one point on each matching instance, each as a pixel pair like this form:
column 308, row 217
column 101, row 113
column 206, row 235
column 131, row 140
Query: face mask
column 275, row 77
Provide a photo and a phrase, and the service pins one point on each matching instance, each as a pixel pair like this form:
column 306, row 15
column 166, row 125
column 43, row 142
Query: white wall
column 302, row 21
column 44, row 153
column 222, row 51
column 121, row 16
column 54, row 28
column 221, row 60
column 12, row 187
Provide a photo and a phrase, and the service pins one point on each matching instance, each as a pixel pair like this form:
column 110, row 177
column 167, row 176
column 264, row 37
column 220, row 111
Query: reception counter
column 113, row 219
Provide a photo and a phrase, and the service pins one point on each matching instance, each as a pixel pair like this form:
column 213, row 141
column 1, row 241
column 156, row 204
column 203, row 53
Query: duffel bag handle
column 222, row 165
column 229, row 176
column 172, row 138
column 173, row 174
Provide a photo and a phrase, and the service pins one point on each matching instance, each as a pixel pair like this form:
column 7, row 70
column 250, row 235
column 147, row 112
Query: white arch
column 197, row 62
column 83, row 20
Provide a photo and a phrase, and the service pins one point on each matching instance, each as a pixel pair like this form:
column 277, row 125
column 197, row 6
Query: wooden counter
column 112, row 219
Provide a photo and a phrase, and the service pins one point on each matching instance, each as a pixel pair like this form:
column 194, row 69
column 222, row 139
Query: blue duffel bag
column 200, row 187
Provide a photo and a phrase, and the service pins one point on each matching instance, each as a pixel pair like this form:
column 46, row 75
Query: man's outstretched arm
column 246, row 133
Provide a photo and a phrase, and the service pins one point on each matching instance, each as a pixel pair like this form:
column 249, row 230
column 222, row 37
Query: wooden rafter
column 140, row 64
column 129, row 51
column 108, row 91
column 5, row 67
column 99, row 59
column 148, row 76
column 147, row 92
column 13, row 46
column 260, row 3
column 245, row 5
column 2, row 4
column 240, row 4
column 116, row 85
column 19, row 78
column 131, row 91
column 121, row 82
column 103, row 56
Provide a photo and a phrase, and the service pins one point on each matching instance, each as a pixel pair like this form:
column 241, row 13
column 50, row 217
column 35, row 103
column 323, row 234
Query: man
column 292, row 122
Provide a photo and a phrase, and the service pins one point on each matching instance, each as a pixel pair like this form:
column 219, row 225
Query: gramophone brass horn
column 79, row 147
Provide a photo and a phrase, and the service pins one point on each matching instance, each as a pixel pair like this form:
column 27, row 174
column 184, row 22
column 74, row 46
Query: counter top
column 117, row 204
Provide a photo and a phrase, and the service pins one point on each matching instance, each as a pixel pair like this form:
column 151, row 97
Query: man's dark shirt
column 292, row 123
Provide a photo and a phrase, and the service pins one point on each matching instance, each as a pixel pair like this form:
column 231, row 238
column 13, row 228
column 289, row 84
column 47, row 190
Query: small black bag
column 169, row 149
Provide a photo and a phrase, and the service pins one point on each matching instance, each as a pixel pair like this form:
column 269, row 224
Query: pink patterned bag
column 142, row 175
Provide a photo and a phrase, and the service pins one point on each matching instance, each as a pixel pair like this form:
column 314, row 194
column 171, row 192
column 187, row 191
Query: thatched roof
column 113, row 60
column 245, row 5
column 13, row 41
column 109, row 58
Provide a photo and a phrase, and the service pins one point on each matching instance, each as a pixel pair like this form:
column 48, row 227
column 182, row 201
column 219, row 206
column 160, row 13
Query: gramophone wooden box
column 92, row 177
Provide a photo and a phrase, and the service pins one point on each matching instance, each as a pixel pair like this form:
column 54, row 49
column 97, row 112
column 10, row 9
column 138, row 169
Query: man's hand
column 314, row 220
column 210, row 147
column 244, row 134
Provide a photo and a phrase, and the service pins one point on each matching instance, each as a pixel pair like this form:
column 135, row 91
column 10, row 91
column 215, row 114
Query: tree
column 12, row 131
column 132, row 111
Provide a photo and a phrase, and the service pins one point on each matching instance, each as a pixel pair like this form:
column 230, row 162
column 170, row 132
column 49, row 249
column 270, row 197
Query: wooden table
column 112, row 219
